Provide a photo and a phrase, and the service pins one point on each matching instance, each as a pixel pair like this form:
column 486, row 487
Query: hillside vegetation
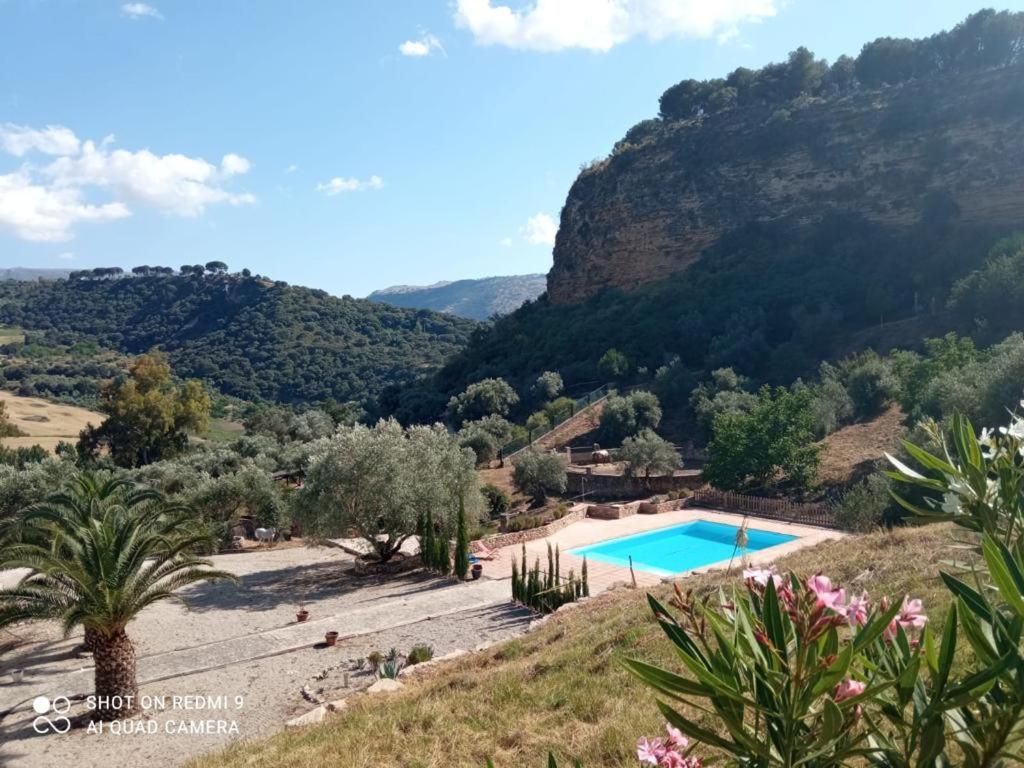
column 563, row 688
column 776, row 218
column 474, row 299
column 247, row 336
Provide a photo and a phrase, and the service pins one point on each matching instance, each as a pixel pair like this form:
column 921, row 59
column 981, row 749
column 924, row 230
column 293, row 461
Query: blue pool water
column 681, row 548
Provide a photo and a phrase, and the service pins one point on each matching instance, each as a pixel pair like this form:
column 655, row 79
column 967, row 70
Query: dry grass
column 850, row 451
column 45, row 423
column 562, row 687
column 11, row 335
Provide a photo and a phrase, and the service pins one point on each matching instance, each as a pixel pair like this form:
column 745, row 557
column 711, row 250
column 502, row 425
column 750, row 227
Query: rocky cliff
column 939, row 152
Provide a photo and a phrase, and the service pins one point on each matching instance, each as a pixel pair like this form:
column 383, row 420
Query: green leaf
column 667, row 682
column 972, row 599
column 1005, row 573
column 947, row 652
column 832, row 719
column 696, row 732
column 774, row 626
column 967, row 448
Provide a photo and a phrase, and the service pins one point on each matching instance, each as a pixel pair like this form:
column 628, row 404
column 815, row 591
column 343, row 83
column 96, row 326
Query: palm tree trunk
column 117, row 688
column 91, row 639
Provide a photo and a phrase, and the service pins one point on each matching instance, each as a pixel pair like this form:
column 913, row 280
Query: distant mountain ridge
column 33, row 273
column 477, row 299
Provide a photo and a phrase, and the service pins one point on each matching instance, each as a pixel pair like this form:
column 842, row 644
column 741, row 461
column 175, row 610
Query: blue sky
column 353, row 145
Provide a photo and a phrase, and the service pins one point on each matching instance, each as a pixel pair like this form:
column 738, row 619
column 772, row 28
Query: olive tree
column 380, row 482
column 482, row 398
column 647, row 453
column 538, row 474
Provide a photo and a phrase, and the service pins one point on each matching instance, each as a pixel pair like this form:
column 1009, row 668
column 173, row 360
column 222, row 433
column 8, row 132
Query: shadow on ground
column 266, row 590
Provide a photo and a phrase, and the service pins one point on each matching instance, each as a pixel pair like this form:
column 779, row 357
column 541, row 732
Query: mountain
column 474, row 299
column 32, row 273
column 775, row 218
column 248, row 336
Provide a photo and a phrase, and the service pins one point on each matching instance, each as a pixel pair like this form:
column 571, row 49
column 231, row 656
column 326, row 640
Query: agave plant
column 98, row 555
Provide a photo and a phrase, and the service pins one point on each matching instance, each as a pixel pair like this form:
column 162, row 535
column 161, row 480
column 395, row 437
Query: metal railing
column 513, row 447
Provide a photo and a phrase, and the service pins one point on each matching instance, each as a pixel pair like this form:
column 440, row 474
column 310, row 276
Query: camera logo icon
column 51, row 714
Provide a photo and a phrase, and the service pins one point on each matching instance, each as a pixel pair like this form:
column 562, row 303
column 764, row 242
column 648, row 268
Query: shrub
column 524, row 523
column 538, row 474
column 538, row 423
column 870, row 383
column 418, row 654
column 613, row 364
column 864, row 507
column 559, row 410
column 498, row 502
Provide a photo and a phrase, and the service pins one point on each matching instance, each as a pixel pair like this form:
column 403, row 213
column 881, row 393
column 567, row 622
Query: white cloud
column 48, row 214
column 540, row 229
column 338, row 184
column 232, row 164
column 600, row 25
column 291, row 168
column 141, row 11
column 18, row 140
column 45, row 202
column 424, row 46
column 505, row 242
column 66, row 256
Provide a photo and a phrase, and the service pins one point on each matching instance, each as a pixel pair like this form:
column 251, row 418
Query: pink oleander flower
column 649, row 751
column 667, row 753
column 910, row 616
column 676, row 737
column 848, row 689
column 856, row 611
column 761, row 576
column 827, row 595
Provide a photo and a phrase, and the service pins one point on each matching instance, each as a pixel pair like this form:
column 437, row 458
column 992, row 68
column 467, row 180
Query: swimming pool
column 681, row 548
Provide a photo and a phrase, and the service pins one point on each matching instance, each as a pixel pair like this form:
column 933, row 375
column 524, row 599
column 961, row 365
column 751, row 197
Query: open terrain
column 244, row 643
column 562, row 687
column 45, row 423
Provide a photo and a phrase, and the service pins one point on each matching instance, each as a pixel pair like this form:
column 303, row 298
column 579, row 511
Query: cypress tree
column 515, row 581
column 586, row 585
column 461, row 544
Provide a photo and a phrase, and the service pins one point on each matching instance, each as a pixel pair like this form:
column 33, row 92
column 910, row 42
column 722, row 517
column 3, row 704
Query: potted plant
column 331, row 638
column 476, row 570
column 301, row 615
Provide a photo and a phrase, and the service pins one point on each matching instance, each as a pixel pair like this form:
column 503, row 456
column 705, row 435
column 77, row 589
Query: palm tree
column 97, row 556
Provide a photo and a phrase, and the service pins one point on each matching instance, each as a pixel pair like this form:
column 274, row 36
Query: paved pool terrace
column 602, row 575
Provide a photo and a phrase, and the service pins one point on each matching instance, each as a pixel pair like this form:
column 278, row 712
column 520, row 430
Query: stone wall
column 577, row 513
column 616, row 485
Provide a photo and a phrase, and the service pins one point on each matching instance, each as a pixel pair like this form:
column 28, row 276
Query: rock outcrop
column 939, row 152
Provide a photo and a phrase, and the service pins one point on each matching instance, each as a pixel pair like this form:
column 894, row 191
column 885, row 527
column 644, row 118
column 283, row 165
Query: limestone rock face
column 943, row 150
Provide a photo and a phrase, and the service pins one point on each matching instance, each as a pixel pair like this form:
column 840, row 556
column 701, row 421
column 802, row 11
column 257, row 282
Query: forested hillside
column 247, row 336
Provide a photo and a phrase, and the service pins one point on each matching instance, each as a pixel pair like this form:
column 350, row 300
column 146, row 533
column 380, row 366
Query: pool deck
column 603, row 575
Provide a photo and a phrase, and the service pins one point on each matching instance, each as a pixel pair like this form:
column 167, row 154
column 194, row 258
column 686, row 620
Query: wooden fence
column 757, row 506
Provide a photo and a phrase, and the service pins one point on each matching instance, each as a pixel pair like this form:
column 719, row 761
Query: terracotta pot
column 302, row 615
column 331, row 638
